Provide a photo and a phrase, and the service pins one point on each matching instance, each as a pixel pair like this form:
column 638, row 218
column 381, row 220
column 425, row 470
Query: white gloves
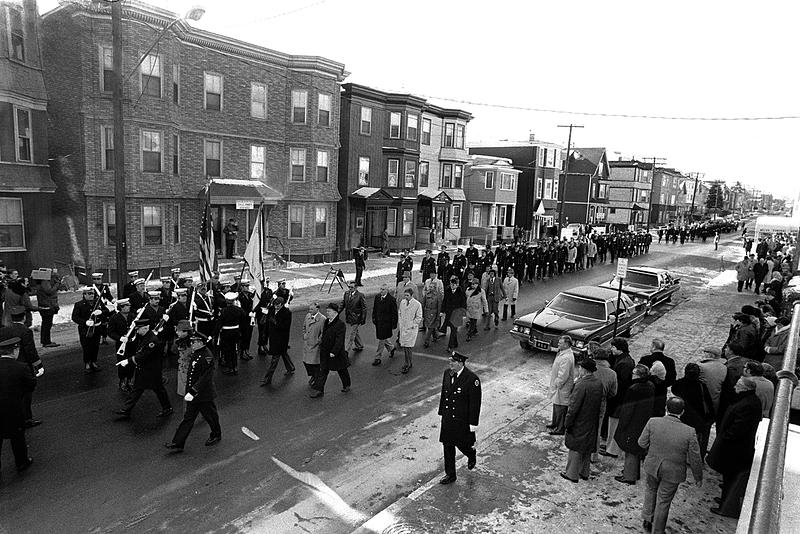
column 89, row 323
column 97, row 312
column 252, row 314
column 188, row 397
column 123, row 363
column 40, row 372
column 123, row 339
column 473, row 428
column 165, row 317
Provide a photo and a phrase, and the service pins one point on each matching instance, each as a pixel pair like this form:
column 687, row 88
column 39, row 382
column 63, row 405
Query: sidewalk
column 516, row 487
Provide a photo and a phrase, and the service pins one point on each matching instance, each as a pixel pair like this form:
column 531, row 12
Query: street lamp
column 119, row 133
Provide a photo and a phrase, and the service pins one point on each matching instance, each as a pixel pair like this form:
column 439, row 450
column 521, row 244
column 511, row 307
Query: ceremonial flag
column 253, row 257
column 208, row 256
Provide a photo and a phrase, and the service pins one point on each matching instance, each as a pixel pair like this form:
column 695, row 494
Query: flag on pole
column 253, row 257
column 208, row 256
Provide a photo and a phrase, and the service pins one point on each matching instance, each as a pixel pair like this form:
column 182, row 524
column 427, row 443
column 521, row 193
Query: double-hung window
column 258, row 100
column 507, row 181
column 447, row 175
column 449, row 134
column 106, row 69
column 366, row 121
column 455, row 216
column 213, row 156
column 320, row 222
column 410, row 174
column 363, row 170
column 458, row 176
column 324, row 109
column 296, row 217
column 213, row 91
column 412, row 126
column 426, row 132
column 107, row 147
column 424, row 170
column 175, row 153
column 152, row 225
column 488, row 182
column 459, row 143
column 22, row 124
column 392, row 172
column 395, row 118
column 299, row 106
column 150, row 72
column 391, row 221
column 258, row 162
column 12, row 232
column 408, row 221
column 322, row 165
column 110, row 217
column 16, row 34
column 298, row 165
column 151, row 151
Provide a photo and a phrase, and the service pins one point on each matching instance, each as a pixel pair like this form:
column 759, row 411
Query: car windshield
column 572, row 305
column 642, row 279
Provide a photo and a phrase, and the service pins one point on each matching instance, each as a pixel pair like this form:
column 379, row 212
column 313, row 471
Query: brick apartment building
column 667, row 188
column 26, row 190
column 629, row 187
column 539, row 163
column 490, row 184
column 585, row 190
column 260, row 125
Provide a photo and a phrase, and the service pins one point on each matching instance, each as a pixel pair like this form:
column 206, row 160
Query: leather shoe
column 27, row 464
column 165, row 413
column 647, row 525
column 213, row 440
column 556, row 432
column 173, row 446
column 620, row 478
column 550, row 427
column 718, row 511
column 30, row 423
column 447, row 480
column 471, row 462
column 316, row 394
column 604, row 453
column 564, row 476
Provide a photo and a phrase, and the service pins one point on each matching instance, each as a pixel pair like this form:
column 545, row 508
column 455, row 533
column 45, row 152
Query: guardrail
column 765, row 516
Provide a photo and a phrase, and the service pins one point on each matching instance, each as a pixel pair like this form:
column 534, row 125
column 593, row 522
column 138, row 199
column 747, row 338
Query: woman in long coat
column 634, row 412
column 477, row 305
column 409, row 319
column 332, row 356
column 312, row 335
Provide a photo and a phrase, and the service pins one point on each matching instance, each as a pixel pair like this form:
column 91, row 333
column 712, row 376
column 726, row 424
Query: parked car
column 585, row 313
column 652, row 285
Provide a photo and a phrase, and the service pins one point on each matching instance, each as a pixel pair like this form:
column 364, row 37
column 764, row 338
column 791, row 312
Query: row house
column 540, row 166
column 585, row 189
column 667, row 187
column 26, row 189
column 490, row 186
column 443, row 156
column 258, row 127
column 629, row 186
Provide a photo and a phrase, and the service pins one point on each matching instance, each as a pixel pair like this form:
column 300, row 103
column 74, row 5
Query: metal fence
column 766, row 513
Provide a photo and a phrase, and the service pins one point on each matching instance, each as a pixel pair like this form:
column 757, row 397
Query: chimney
column 531, row 137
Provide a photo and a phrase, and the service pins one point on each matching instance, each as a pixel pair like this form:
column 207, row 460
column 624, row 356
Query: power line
column 275, row 16
column 617, row 115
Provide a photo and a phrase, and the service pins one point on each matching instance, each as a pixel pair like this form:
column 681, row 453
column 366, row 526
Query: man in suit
column 562, row 376
column 360, row 259
column 384, row 317
column 27, row 355
column 443, row 264
column 582, row 421
column 16, row 381
column 355, row 314
column 671, row 446
column 657, row 355
column 406, row 263
column 280, row 324
column 199, row 396
column 427, row 265
column 459, row 408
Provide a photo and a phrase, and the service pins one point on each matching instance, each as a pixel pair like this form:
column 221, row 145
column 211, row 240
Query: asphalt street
column 346, row 455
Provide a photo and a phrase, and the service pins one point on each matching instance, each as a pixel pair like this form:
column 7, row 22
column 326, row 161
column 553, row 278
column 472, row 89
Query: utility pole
column 121, row 233
column 694, row 194
column 562, row 190
column 652, row 185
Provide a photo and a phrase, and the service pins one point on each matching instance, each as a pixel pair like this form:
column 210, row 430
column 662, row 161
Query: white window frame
column 555, row 189
column 412, row 117
column 161, row 216
column 392, row 116
column 102, row 58
column 540, row 151
column 502, row 211
column 455, row 221
column 509, row 177
column 477, row 215
column 460, row 134
column 255, row 164
column 365, row 111
column 292, row 152
column 260, row 108
column 29, row 137
column 540, row 187
column 488, row 180
column 413, row 174
column 363, row 178
column 145, row 71
column 317, row 211
column 302, row 221
column 390, row 173
column 548, row 189
column 176, row 224
column 321, row 107
column 105, row 165
column 452, row 135
column 21, row 223
column 208, row 75
column 106, row 207
column 206, row 143
column 449, row 185
column 304, row 93
column 142, row 151
column 391, row 221
column 326, row 156
column 460, row 176
column 410, row 221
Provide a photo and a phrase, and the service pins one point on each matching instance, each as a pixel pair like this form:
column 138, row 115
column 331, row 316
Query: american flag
column 208, row 257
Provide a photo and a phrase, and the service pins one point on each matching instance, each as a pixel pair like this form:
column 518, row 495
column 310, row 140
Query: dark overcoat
column 332, row 355
column 280, row 324
column 148, row 356
column 384, row 316
column 634, row 412
column 583, row 414
column 200, row 376
column 459, row 407
column 16, row 379
column 734, row 445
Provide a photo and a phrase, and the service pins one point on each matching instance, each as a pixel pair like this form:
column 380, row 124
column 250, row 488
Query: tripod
column 335, row 275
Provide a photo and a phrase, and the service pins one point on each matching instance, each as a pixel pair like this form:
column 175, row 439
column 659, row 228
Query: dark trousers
column 453, row 341
column 247, row 336
column 739, row 285
column 322, row 377
column 312, row 370
column 209, row 412
column 450, row 456
column 734, row 486
column 47, row 325
column 578, row 464
column 90, row 346
column 18, row 447
column 559, row 417
column 505, row 311
column 359, row 272
column 702, row 438
column 229, row 246
column 273, row 364
column 137, row 392
column 27, row 399
column 228, row 345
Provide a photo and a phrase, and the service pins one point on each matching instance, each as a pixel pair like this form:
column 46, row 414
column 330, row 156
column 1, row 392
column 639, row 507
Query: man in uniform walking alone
column 459, row 408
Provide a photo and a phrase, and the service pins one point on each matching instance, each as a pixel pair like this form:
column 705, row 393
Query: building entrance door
column 439, row 220
column 375, row 224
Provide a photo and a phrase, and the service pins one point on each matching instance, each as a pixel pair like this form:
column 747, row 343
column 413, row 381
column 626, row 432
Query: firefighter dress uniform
column 459, row 408
column 229, row 329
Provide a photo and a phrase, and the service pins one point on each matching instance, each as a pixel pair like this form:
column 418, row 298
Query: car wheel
column 525, row 345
